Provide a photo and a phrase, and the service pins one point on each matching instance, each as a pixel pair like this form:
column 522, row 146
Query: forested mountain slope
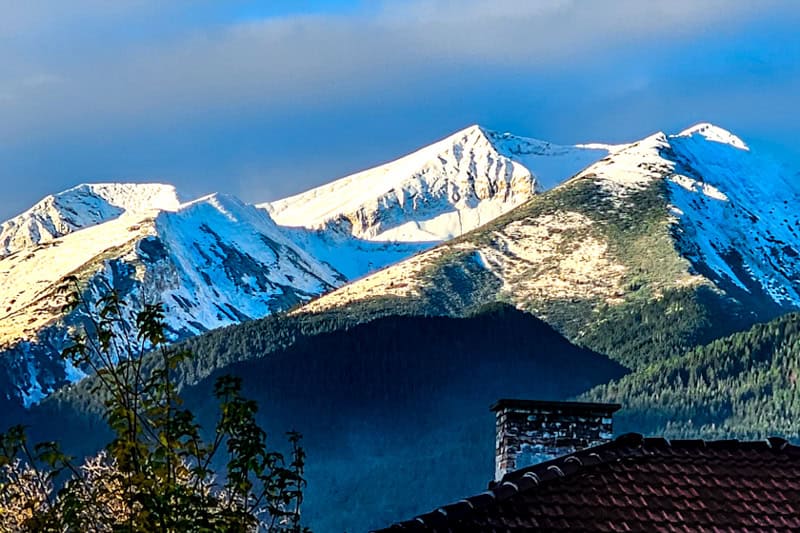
column 744, row 385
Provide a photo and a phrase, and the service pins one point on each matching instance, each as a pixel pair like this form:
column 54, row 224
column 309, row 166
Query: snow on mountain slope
column 714, row 133
column 217, row 261
column 737, row 214
column 352, row 257
column 212, row 262
column 81, row 207
column 669, row 212
column 535, row 256
column 440, row 191
column 664, row 213
column 30, row 277
column 231, row 263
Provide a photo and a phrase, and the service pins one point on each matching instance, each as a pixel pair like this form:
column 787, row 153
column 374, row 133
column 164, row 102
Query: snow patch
column 692, row 185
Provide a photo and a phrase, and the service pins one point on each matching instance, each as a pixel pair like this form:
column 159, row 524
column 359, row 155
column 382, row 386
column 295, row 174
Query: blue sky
column 265, row 99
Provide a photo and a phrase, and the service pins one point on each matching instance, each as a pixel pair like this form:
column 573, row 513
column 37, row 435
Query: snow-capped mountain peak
column 440, row 191
column 81, row 207
column 699, row 195
column 212, row 262
column 216, row 261
column 714, row 133
column 133, row 197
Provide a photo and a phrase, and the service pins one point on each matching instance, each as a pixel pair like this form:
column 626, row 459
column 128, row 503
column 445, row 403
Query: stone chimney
column 531, row 431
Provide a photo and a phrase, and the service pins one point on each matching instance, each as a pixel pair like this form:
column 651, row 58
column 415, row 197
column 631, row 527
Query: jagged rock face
column 213, row 262
column 81, row 207
column 668, row 213
column 364, row 222
column 439, row 192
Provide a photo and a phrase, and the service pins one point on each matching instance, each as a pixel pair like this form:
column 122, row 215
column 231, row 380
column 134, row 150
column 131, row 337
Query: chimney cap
column 571, row 407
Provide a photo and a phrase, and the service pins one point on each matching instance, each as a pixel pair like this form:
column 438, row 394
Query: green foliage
column 742, row 385
column 158, row 471
column 222, row 347
column 642, row 331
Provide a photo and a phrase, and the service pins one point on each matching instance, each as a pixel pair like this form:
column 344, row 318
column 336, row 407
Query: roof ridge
column 624, row 441
column 625, row 446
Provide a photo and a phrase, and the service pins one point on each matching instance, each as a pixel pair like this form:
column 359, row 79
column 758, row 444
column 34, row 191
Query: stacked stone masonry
column 530, row 432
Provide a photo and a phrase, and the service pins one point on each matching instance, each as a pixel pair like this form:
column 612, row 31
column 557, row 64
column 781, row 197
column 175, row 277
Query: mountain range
column 379, row 313
column 217, row 261
column 693, row 226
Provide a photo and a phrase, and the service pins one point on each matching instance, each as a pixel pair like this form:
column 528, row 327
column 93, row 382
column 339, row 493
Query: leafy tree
column 158, row 472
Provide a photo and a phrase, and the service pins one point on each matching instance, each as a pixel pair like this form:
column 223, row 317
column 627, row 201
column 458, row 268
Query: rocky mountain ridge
column 450, row 187
column 670, row 216
column 82, row 207
column 217, row 261
column 212, row 262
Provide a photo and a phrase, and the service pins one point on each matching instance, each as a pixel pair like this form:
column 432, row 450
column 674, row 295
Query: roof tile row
column 637, row 484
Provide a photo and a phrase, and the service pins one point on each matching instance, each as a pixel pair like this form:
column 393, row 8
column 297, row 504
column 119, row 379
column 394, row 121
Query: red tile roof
column 639, row 484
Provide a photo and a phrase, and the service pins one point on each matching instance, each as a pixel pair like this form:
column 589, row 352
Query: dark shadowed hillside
column 403, row 402
column 392, row 404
